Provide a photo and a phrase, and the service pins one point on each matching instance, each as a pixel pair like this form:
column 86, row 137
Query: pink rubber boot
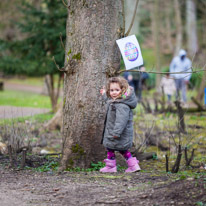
column 110, row 166
column 133, row 165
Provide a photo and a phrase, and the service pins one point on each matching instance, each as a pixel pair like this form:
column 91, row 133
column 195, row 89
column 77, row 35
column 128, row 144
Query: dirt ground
column 28, row 187
column 152, row 188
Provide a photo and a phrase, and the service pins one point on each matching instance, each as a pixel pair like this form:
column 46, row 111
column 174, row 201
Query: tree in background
column 192, row 40
column 41, row 27
column 175, row 17
column 179, row 29
column 8, row 12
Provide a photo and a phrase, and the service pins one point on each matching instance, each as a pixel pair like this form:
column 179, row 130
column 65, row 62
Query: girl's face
column 114, row 90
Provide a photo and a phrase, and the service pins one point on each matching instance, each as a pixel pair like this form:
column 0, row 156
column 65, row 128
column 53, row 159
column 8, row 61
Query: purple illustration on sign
column 131, row 51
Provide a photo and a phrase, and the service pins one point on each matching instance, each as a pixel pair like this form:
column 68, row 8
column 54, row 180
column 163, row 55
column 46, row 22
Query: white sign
column 130, row 51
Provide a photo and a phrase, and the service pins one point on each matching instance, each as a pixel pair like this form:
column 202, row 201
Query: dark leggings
column 125, row 153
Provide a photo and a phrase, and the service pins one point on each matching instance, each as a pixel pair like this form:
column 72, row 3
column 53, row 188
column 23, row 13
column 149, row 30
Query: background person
column 182, row 64
column 167, row 84
column 128, row 76
column 139, row 79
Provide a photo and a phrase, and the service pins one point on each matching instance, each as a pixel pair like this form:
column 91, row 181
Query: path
column 27, row 88
column 14, row 112
column 23, row 87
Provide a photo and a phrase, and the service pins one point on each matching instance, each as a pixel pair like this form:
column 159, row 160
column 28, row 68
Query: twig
column 58, row 87
column 156, row 104
column 23, row 160
column 146, row 106
column 10, row 156
column 170, row 133
column 192, row 137
column 67, row 6
column 132, row 22
column 146, row 137
column 180, row 112
column 152, row 72
column 191, row 157
column 186, row 158
column 200, row 107
column 167, row 163
column 178, row 160
column 57, row 66
column 53, row 58
column 50, row 154
column 123, row 14
column 61, row 41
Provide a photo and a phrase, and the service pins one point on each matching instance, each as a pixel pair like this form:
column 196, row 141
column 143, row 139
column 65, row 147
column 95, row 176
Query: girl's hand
column 102, row 91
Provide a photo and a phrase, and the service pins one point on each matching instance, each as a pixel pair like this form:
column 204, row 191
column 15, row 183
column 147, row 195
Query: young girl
column 118, row 126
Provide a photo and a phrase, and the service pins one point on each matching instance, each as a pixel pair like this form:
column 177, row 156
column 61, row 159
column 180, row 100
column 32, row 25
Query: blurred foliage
column 196, row 80
column 41, row 28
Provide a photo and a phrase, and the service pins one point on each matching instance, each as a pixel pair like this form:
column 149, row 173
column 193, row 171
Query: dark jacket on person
column 126, row 75
column 119, row 122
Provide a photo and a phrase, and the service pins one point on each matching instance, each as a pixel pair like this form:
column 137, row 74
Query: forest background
column 161, row 27
column 33, row 39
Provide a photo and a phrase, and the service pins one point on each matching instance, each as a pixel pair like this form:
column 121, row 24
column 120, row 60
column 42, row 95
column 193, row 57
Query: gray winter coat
column 118, row 122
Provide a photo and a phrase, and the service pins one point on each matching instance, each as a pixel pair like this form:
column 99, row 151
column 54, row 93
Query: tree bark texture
column 179, row 27
column 92, row 29
column 168, row 26
column 192, row 42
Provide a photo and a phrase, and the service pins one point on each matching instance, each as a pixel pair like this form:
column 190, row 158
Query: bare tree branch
column 132, row 22
column 123, row 14
column 67, row 6
column 62, row 41
column 57, row 66
column 153, row 72
column 167, row 163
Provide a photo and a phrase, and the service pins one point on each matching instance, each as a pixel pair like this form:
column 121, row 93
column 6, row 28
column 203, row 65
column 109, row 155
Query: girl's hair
column 119, row 80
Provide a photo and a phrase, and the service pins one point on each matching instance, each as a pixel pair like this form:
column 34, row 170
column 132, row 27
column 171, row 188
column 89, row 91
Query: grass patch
column 24, row 99
column 51, row 165
column 33, row 81
column 40, row 118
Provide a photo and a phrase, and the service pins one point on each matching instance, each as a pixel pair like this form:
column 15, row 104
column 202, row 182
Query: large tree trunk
column 92, row 28
column 192, row 43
